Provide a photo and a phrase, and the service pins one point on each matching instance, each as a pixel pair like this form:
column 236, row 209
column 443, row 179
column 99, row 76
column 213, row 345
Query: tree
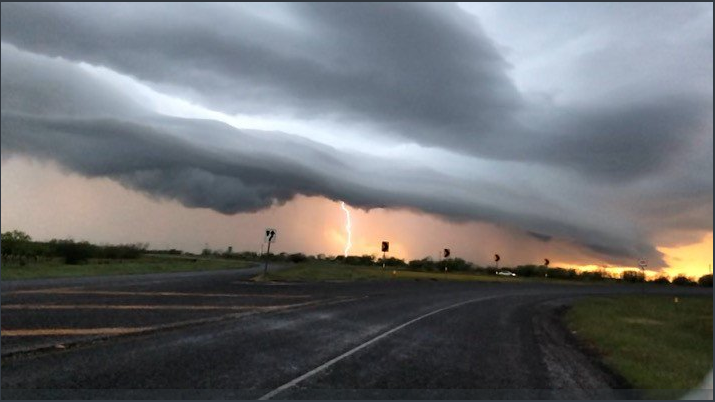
column 706, row 280
column 15, row 243
column 661, row 280
column 297, row 257
column 74, row 252
column 633, row 276
column 683, row 281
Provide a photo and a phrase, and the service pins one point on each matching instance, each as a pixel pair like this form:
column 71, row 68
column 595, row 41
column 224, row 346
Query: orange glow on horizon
column 102, row 211
column 694, row 260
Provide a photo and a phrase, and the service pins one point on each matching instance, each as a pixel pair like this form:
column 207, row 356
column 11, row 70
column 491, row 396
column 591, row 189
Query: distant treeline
column 460, row 265
column 19, row 247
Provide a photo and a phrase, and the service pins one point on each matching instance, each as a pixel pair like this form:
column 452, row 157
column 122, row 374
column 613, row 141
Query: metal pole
column 383, row 260
column 268, row 253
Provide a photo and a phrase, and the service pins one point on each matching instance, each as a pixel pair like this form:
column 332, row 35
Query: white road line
column 350, row 352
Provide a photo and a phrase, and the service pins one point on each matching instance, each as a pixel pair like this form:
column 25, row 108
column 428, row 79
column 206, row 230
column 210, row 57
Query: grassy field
column 143, row 265
column 327, row 271
column 652, row 341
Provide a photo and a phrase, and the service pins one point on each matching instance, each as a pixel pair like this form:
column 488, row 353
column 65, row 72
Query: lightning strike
column 348, row 228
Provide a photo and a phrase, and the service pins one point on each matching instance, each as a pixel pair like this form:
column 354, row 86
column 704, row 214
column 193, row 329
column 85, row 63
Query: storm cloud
column 606, row 174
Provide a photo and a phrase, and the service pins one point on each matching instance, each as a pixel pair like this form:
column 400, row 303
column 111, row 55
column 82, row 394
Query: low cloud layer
column 608, row 175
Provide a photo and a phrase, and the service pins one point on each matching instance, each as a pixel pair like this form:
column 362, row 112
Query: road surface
column 216, row 335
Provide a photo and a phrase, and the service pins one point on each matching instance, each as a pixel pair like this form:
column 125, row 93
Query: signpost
column 270, row 237
column 496, row 259
column 446, row 254
column 643, row 263
column 546, row 262
column 385, row 249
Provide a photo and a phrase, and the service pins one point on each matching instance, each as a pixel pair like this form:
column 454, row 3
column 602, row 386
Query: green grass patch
column 144, row 265
column 328, row 271
column 655, row 343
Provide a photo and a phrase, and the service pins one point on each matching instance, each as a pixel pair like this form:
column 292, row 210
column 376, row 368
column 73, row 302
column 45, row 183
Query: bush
column 706, row 280
column 297, row 257
column 661, row 280
column 359, row 260
column 74, row 253
column 530, row 270
column 425, row 264
column 633, row 276
column 562, row 273
column 122, row 251
column 592, row 275
column 456, row 265
column 683, row 281
column 392, row 262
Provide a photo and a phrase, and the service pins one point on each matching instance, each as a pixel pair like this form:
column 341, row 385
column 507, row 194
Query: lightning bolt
column 348, row 228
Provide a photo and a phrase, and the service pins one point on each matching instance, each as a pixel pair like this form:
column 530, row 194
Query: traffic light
column 496, row 257
column 385, row 246
column 446, row 253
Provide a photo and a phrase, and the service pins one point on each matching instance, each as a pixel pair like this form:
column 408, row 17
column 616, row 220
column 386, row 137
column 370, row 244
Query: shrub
column 706, row 280
column 661, row 280
column 530, row 270
column 592, row 275
column 455, row 264
column 297, row 257
column 74, row 253
column 683, row 281
column 562, row 273
column 633, row 276
column 359, row 260
column 425, row 264
column 392, row 262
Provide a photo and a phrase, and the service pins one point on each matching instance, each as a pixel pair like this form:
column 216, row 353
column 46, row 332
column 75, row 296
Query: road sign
column 270, row 236
column 496, row 257
column 642, row 263
column 385, row 246
column 546, row 262
column 446, row 253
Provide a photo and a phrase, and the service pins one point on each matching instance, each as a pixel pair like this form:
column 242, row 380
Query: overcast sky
column 586, row 128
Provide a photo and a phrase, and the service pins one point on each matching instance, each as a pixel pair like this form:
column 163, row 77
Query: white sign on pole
column 643, row 263
column 270, row 235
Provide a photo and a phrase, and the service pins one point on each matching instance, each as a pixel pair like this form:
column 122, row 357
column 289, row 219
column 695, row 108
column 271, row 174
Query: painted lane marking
column 178, row 324
column 65, row 291
column 356, row 349
column 71, row 331
column 132, row 307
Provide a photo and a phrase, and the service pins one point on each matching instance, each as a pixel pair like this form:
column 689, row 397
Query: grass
column 144, row 265
column 656, row 344
column 327, row 271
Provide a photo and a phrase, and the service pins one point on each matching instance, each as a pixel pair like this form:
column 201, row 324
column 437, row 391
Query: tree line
column 17, row 246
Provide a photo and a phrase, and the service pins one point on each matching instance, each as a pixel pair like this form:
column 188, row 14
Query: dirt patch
column 575, row 369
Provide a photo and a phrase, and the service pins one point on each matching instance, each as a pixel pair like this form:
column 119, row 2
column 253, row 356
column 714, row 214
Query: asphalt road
column 216, row 335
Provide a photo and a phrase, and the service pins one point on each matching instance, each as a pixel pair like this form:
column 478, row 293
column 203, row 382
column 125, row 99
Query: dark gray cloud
column 204, row 163
column 418, row 72
column 415, row 70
